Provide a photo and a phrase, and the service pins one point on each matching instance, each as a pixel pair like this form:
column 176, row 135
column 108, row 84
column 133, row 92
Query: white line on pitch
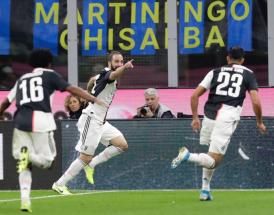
column 57, row 196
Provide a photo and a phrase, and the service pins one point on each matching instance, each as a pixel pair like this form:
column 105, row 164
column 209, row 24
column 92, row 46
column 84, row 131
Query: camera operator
column 152, row 108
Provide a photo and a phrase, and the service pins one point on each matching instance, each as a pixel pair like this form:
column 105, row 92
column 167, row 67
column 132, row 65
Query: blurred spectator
column 7, row 77
column 152, row 108
column 74, row 106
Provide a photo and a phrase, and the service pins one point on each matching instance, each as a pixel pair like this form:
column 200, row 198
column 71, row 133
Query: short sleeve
column 106, row 77
column 58, row 82
column 12, row 94
column 206, row 82
column 251, row 81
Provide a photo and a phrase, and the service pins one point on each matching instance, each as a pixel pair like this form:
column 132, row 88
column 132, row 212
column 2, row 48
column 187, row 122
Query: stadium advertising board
column 126, row 101
column 136, row 26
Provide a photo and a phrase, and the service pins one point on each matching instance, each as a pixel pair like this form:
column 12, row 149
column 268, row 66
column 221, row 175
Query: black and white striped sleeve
column 206, row 82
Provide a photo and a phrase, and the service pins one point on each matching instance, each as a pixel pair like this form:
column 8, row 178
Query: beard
column 113, row 68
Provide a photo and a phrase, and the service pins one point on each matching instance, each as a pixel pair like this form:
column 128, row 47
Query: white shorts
column 39, row 143
column 92, row 133
column 217, row 134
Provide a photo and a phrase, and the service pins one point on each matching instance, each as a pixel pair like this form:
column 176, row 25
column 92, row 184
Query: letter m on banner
column 45, row 29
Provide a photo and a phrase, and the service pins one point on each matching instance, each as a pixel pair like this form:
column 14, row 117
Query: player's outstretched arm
column 83, row 94
column 257, row 108
column 4, row 105
column 196, row 124
column 120, row 71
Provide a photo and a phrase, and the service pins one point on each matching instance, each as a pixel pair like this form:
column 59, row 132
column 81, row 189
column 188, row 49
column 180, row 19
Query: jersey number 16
column 34, row 86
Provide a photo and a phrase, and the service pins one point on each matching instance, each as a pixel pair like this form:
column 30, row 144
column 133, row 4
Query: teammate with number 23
column 227, row 90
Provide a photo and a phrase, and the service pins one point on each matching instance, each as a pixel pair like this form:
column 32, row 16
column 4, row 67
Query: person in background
column 153, row 108
column 74, row 106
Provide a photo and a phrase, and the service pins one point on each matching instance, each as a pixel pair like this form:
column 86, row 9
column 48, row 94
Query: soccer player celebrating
column 93, row 126
column 227, row 90
column 33, row 142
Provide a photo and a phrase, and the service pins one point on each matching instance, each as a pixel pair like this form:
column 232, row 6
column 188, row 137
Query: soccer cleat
column 63, row 190
column 89, row 174
column 205, row 195
column 182, row 156
column 23, row 162
column 26, row 207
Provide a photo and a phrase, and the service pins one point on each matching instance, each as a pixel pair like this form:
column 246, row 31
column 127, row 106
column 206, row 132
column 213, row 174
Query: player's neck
column 234, row 62
column 231, row 61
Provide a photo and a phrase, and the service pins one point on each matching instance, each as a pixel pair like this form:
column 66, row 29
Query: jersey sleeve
column 251, row 82
column 106, row 78
column 58, row 82
column 12, row 94
column 206, row 82
column 107, row 74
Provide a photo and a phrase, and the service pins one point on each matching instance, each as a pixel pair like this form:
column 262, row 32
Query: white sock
column 202, row 159
column 25, row 180
column 73, row 170
column 207, row 175
column 105, row 155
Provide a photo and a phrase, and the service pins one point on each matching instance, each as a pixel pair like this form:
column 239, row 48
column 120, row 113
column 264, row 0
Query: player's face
column 74, row 104
column 116, row 61
column 152, row 101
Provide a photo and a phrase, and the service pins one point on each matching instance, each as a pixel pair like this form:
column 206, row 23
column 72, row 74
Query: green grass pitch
column 150, row 202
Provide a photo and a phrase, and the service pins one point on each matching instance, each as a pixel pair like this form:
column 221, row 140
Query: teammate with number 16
column 227, row 90
column 33, row 142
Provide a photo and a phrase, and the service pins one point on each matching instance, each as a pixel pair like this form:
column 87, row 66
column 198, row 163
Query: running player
column 227, row 90
column 33, row 142
column 93, row 126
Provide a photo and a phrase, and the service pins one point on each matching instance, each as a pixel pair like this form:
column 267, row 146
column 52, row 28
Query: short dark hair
column 236, row 53
column 40, row 58
column 110, row 55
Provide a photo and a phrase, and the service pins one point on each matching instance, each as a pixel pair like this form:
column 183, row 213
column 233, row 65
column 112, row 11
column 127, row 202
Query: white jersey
column 104, row 89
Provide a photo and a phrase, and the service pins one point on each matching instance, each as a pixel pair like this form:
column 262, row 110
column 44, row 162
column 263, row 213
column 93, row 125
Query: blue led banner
column 4, row 27
column 45, row 29
column 240, row 24
column 191, row 26
column 144, row 28
column 94, row 29
column 138, row 27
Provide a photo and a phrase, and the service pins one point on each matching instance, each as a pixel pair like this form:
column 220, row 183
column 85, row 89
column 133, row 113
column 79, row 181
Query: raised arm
column 121, row 70
column 257, row 108
column 85, row 95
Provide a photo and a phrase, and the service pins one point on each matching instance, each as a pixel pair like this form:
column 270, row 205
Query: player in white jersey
column 227, row 90
column 33, row 142
column 94, row 128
